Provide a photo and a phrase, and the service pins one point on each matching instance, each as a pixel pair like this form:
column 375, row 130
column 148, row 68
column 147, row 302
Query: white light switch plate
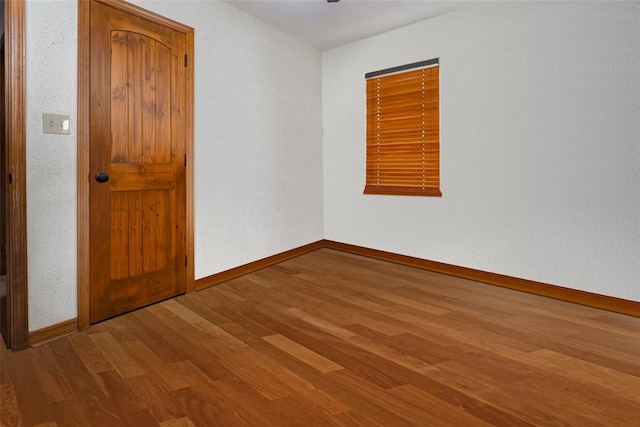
column 55, row 123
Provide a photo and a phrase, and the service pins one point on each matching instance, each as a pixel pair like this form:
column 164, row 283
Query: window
column 403, row 130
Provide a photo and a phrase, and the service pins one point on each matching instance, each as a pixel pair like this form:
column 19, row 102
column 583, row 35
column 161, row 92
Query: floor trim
column 604, row 302
column 223, row 276
column 53, row 332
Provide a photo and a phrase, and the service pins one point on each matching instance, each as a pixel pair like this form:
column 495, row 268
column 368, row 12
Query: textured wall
column 258, row 145
column 51, row 162
column 540, row 134
column 258, row 132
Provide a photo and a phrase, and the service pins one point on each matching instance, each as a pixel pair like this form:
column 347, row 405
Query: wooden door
column 137, row 142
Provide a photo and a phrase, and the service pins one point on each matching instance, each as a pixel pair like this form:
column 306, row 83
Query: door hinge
column 186, row 261
column 186, row 60
column 10, row 179
column 185, row 160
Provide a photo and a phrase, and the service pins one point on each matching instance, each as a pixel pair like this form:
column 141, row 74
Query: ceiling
column 328, row 25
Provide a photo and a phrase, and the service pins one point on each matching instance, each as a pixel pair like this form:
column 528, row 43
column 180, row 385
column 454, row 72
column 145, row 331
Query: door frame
column 83, row 165
column 16, row 165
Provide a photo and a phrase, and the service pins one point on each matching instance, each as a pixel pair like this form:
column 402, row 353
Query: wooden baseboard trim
column 223, row 276
column 604, row 302
column 53, row 332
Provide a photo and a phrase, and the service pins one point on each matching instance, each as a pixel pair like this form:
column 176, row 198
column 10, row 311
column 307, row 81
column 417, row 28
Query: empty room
column 320, row 213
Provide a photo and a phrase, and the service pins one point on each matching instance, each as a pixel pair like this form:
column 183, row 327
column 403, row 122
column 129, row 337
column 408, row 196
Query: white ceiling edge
column 327, row 25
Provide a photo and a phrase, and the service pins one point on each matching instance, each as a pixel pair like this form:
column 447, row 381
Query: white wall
column 258, row 130
column 51, row 34
column 258, row 145
column 540, row 142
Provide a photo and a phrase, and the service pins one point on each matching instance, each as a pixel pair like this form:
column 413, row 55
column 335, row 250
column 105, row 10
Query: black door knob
column 102, row 177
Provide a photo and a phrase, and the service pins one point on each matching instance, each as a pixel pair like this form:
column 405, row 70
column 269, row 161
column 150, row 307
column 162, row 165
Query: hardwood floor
column 333, row 339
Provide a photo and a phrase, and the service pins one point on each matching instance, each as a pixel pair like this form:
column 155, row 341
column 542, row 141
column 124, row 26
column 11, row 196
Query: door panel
column 140, row 232
column 138, row 138
column 140, row 105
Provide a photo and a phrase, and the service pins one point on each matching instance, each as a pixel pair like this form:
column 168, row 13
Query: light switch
column 55, row 123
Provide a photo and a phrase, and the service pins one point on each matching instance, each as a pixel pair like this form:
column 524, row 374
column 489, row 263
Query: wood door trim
column 4, row 177
column 146, row 14
column 15, row 128
column 189, row 122
column 83, row 162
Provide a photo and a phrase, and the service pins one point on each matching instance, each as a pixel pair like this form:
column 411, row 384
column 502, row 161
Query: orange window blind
column 403, row 131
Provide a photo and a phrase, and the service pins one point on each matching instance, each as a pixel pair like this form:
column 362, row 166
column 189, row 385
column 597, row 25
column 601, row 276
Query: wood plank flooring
column 333, row 339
